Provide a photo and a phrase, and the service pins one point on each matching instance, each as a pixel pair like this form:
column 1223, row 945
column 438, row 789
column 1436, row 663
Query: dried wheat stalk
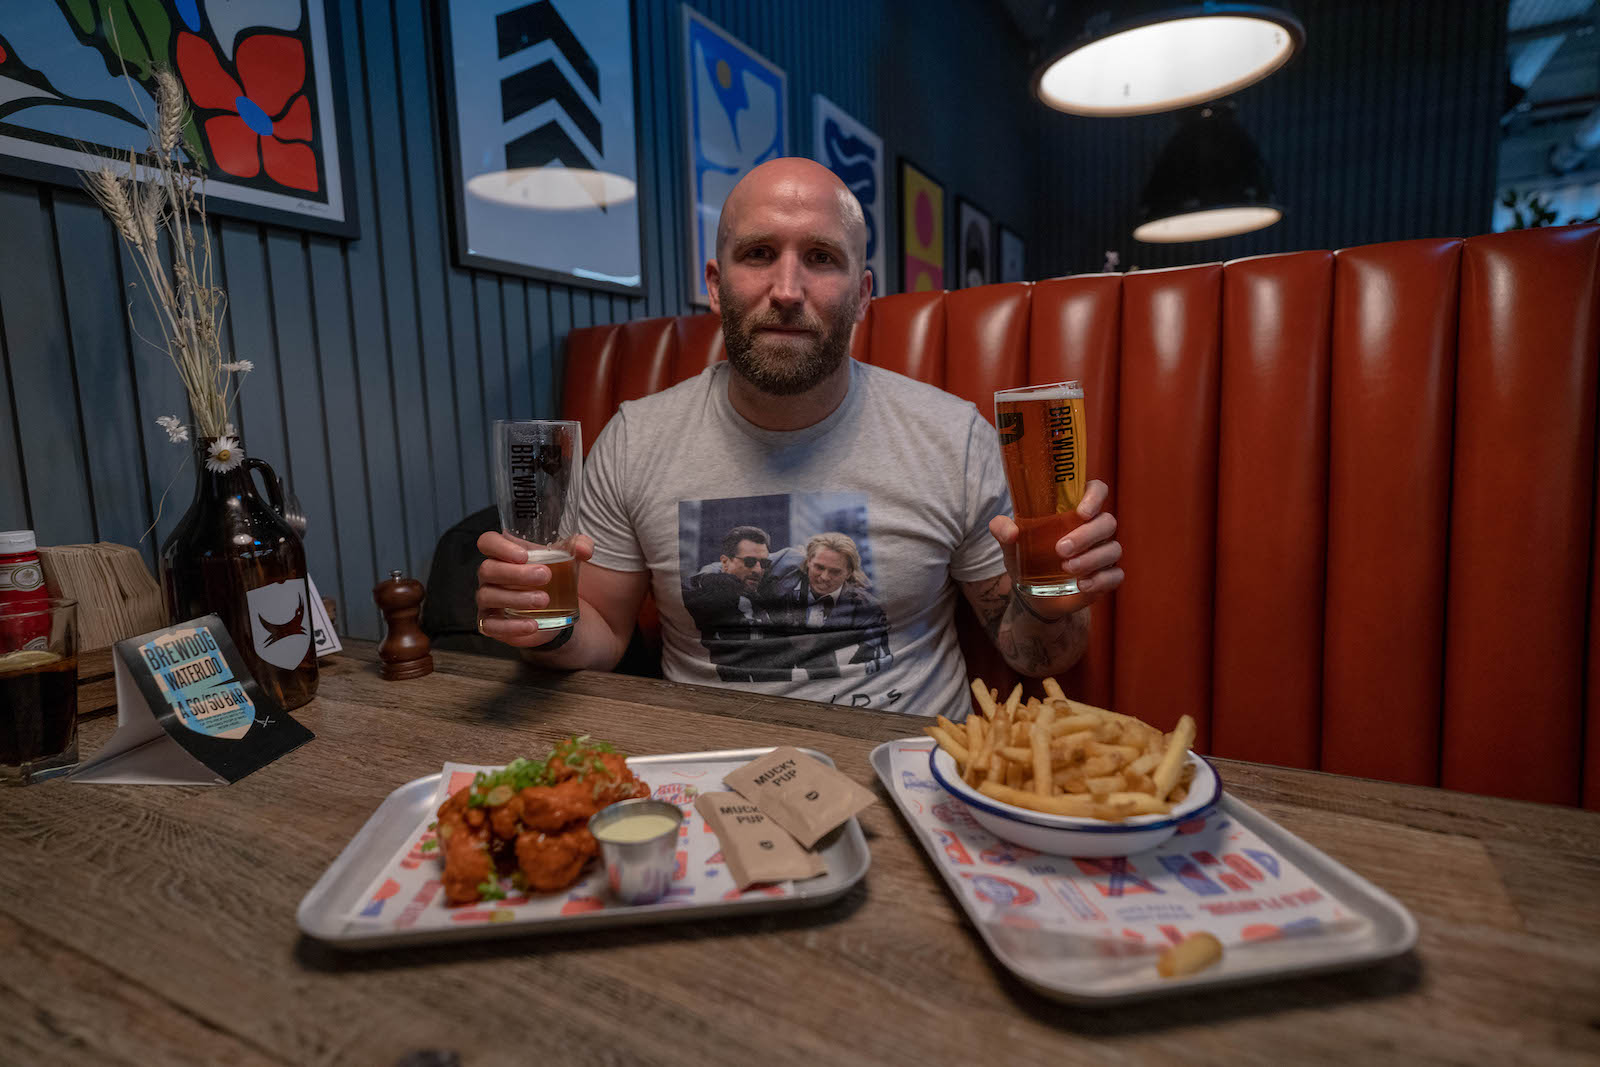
column 158, row 195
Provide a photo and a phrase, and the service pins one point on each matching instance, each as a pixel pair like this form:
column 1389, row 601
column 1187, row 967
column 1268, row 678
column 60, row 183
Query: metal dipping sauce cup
column 638, row 872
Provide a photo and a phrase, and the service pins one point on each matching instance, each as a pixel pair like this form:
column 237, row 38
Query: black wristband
column 565, row 636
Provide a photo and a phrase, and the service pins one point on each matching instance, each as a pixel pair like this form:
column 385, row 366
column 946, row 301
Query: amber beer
column 538, row 477
column 1042, row 443
column 563, row 590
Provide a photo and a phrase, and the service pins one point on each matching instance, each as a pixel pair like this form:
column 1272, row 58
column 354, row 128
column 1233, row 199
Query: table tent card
column 189, row 712
column 323, row 635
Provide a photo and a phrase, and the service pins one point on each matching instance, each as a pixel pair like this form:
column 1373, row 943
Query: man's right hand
column 507, row 580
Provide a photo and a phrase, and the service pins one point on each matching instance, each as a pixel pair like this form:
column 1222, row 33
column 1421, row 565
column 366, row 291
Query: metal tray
column 324, row 911
column 1392, row 930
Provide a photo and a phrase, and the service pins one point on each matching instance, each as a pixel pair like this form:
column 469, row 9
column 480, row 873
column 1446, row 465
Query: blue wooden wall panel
column 514, row 318
column 106, row 393
column 423, row 177
column 304, row 415
column 386, row 489
column 52, row 442
column 349, row 519
column 408, row 385
column 543, row 352
column 250, row 308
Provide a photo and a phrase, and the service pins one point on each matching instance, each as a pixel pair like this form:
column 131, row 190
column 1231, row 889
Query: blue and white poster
column 855, row 154
column 542, row 139
column 737, row 103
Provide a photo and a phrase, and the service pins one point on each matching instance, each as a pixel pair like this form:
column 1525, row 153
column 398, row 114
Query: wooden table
column 156, row 924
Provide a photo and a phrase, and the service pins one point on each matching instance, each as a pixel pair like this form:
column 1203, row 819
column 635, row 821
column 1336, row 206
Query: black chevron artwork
column 517, row 31
column 525, row 27
column 527, row 89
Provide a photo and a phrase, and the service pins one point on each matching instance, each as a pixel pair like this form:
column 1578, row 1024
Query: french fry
column 980, row 692
column 957, row 751
column 974, row 729
column 1071, row 724
column 1014, row 701
column 1052, row 689
column 1079, row 805
column 1139, row 803
column 1177, row 754
column 1193, row 954
column 999, row 734
column 1040, row 736
column 1125, row 753
column 1110, row 783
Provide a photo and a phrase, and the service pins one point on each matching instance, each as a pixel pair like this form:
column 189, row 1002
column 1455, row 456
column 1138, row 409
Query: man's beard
column 781, row 369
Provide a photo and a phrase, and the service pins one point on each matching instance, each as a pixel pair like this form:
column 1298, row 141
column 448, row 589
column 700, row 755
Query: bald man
column 793, row 437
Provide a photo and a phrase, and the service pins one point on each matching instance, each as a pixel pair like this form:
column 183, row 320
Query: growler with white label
column 234, row 554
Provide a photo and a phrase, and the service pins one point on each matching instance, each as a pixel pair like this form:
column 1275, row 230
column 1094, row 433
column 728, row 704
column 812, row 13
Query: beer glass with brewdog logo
column 538, row 477
column 1042, row 443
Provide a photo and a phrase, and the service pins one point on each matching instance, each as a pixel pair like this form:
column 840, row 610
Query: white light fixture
column 1205, row 225
column 1209, row 181
column 1166, row 59
column 553, row 188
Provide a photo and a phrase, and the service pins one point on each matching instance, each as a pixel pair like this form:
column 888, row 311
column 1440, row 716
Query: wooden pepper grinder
column 404, row 650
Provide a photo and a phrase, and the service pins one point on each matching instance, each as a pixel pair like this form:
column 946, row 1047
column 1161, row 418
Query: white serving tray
column 1391, row 931
column 325, row 911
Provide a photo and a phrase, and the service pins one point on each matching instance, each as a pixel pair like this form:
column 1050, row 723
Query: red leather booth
column 1355, row 491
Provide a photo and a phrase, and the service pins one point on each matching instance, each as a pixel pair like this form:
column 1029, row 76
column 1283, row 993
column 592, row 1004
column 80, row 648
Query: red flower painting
column 266, row 120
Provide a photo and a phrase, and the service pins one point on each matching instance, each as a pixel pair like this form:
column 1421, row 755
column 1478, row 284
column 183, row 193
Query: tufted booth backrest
column 1355, row 490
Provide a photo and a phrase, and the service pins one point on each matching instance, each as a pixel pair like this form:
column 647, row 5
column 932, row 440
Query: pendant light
column 1209, row 181
column 1151, row 56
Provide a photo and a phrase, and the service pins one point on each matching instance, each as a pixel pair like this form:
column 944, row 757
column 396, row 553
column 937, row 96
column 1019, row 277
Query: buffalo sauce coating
column 541, row 829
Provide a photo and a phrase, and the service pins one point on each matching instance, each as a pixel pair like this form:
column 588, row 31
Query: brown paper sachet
column 805, row 797
column 756, row 848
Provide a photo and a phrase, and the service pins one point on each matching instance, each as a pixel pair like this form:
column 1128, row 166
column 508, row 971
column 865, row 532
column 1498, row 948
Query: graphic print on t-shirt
column 780, row 586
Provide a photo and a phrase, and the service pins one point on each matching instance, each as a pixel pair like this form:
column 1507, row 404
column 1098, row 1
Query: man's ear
column 866, row 295
column 713, row 276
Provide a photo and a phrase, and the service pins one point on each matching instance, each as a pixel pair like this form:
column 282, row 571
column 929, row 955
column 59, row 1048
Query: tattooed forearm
column 1033, row 646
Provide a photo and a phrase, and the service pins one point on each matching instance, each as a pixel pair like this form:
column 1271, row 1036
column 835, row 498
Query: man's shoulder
column 670, row 402
column 919, row 399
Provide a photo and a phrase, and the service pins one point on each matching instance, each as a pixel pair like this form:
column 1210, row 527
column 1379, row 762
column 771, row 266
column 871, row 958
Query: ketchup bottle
column 22, row 589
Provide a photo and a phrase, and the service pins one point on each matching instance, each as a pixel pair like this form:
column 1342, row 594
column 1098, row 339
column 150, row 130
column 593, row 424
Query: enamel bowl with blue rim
column 1066, row 835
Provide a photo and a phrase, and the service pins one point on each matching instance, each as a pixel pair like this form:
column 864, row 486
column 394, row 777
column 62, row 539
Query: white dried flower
column 243, row 366
column 177, row 433
column 224, row 454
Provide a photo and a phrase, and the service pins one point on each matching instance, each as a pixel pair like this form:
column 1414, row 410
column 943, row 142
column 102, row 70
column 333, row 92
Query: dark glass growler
column 233, row 555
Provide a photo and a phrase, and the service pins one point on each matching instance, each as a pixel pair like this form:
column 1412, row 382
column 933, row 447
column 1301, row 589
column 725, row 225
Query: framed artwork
column 543, row 146
column 1013, row 256
column 974, row 245
column 736, row 103
column 855, row 154
column 921, row 230
column 267, row 123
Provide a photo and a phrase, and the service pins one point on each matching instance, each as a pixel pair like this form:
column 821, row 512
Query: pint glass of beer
column 38, row 690
column 1042, row 444
column 538, row 477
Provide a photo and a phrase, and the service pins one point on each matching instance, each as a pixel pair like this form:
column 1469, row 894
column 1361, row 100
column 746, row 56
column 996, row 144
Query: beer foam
column 548, row 555
column 1057, row 391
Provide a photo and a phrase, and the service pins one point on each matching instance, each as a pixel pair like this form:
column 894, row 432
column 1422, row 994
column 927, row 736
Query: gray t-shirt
column 908, row 475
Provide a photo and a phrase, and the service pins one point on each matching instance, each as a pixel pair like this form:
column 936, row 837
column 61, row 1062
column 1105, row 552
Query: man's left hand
column 1089, row 553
